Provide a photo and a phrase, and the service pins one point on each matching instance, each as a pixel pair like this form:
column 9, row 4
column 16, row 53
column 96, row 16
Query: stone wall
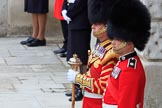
column 3, row 17
column 153, row 50
column 153, row 91
column 15, row 22
column 152, row 57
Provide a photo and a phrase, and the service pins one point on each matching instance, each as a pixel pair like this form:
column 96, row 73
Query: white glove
column 71, row 1
column 71, row 74
column 64, row 14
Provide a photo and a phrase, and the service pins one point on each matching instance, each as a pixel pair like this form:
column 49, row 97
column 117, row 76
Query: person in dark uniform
column 57, row 14
column 129, row 27
column 39, row 10
column 79, row 33
column 101, row 61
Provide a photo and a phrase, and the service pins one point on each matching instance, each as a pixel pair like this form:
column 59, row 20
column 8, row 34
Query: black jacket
column 78, row 13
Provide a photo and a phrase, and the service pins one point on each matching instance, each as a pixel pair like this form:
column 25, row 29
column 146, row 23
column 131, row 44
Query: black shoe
column 37, row 42
column 60, row 51
column 63, row 54
column 29, row 40
column 78, row 96
column 68, row 94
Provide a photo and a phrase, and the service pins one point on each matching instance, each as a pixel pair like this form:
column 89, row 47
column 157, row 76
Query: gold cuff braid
column 83, row 81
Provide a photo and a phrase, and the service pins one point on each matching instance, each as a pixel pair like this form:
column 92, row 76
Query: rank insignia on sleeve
column 132, row 63
column 116, row 71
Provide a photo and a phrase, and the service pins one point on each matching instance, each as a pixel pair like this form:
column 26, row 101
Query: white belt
column 114, row 106
column 108, row 106
column 92, row 95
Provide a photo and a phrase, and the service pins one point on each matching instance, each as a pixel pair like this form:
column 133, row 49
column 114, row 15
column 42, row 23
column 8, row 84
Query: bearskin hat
column 130, row 21
column 98, row 10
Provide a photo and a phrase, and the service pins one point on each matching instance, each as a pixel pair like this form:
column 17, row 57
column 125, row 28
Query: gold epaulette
column 109, row 55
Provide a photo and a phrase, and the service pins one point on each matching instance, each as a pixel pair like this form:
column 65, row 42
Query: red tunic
column 57, row 9
column 100, row 66
column 126, row 83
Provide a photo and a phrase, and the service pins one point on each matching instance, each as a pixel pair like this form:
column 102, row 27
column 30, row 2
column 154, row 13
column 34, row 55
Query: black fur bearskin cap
column 99, row 10
column 130, row 21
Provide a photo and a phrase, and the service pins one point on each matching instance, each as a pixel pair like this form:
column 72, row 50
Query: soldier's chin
column 95, row 34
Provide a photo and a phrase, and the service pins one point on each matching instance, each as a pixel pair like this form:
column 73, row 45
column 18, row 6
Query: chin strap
column 122, row 45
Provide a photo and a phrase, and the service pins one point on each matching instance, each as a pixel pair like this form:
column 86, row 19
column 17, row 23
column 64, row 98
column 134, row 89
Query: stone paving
column 32, row 77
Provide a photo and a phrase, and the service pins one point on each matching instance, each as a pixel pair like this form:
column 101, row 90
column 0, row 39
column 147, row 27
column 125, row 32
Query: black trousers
column 64, row 27
column 79, row 43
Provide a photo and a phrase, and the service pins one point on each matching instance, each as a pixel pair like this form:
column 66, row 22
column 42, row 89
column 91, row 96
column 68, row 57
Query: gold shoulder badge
column 109, row 55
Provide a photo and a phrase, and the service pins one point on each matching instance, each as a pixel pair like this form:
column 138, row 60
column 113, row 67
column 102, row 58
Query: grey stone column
column 153, row 50
column 3, row 17
column 152, row 57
